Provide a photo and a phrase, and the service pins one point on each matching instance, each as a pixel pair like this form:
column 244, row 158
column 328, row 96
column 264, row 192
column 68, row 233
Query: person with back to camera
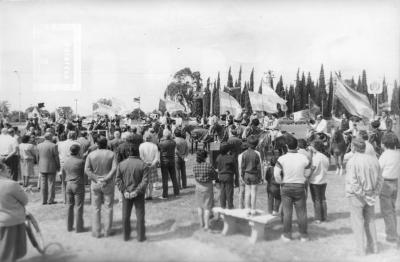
column 204, row 175
column 74, row 172
column 273, row 189
column 226, row 173
column 12, row 218
column 318, row 181
column 251, row 174
column 389, row 162
column 363, row 185
column 296, row 170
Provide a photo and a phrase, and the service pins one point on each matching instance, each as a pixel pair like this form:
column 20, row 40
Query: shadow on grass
column 62, row 256
column 164, row 226
column 170, row 198
column 178, row 232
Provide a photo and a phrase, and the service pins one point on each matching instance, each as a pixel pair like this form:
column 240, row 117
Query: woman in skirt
column 12, row 218
column 28, row 156
column 204, row 175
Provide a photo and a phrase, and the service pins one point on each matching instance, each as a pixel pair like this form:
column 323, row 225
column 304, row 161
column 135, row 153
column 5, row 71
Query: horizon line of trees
column 301, row 95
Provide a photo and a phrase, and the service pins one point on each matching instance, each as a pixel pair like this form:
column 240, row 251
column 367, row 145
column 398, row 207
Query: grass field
column 173, row 233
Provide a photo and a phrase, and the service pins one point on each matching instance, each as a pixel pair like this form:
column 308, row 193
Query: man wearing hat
column 363, row 185
column 386, row 123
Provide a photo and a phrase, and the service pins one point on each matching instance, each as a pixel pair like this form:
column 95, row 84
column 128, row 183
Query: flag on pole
column 172, row 106
column 355, row 103
column 136, row 99
column 228, row 103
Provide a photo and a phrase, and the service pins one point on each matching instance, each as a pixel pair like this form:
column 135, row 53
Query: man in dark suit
column 49, row 164
column 132, row 179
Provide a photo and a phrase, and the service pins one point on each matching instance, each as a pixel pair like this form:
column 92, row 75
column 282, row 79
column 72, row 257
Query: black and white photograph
column 199, row 130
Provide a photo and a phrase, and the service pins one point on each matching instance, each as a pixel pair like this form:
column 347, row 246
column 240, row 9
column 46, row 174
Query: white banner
column 228, row 103
column 374, row 88
column 266, row 102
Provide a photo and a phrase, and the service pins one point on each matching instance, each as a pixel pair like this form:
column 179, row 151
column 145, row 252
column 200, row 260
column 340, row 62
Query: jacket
column 167, row 150
column 132, row 176
column 48, row 159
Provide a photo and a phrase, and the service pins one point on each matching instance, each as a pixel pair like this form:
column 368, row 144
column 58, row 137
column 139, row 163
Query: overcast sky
column 133, row 49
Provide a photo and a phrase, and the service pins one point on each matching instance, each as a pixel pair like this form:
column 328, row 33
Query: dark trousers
column 294, row 195
column 319, row 200
column 226, row 194
column 12, row 164
column 168, row 169
column 75, row 200
column 127, row 205
column 48, row 187
column 180, row 166
column 387, row 200
column 274, row 197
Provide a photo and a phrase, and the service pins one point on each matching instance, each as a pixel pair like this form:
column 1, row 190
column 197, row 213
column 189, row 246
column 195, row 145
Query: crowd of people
column 124, row 166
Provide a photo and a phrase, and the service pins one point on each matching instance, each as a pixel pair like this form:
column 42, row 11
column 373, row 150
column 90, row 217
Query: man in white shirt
column 149, row 153
column 295, row 168
column 9, row 153
column 320, row 126
column 389, row 162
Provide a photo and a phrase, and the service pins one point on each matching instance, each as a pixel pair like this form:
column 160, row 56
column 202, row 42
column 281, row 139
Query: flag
column 301, row 115
column 261, row 102
column 136, row 99
column 171, row 106
column 355, row 103
column 103, row 109
column 228, row 103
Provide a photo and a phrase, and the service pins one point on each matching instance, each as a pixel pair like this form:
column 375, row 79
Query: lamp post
column 19, row 95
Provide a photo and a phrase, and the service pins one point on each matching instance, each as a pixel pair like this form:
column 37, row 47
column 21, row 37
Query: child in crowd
column 204, row 174
column 318, row 181
column 273, row 189
column 251, row 174
column 226, row 173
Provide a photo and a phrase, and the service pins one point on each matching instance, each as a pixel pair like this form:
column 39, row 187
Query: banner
column 301, row 115
column 355, row 103
column 266, row 102
column 228, row 103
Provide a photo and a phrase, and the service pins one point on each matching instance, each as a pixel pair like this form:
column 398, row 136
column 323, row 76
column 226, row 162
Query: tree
column 4, row 107
column 359, row 86
column 330, row 97
column 215, row 98
column 137, row 114
column 239, row 83
column 383, row 97
column 206, row 99
column 304, row 92
column 297, row 98
column 105, row 101
column 260, row 88
column 246, row 99
column 218, row 82
column 280, row 91
column 197, row 109
column 197, row 81
column 230, row 79
column 322, row 89
column 395, row 103
column 251, row 85
column 290, row 100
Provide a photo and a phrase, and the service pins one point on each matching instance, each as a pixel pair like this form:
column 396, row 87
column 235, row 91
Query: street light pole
column 19, row 94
